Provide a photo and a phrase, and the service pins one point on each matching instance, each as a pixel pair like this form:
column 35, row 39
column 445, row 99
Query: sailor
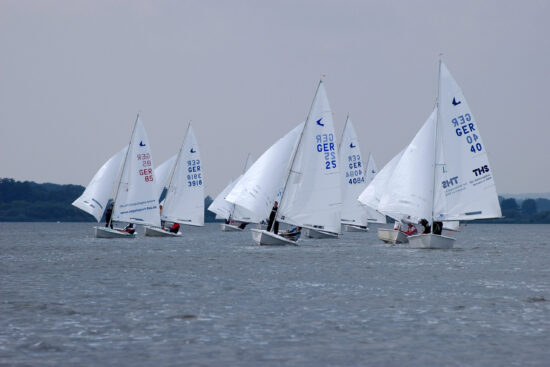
column 411, row 230
column 293, row 234
column 426, row 225
column 175, row 228
column 108, row 215
column 272, row 219
column 129, row 228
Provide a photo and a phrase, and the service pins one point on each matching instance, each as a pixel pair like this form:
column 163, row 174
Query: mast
column 124, row 165
column 177, row 161
column 299, row 143
column 436, row 140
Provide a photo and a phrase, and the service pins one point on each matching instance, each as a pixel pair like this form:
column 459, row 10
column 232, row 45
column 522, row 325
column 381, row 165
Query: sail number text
column 326, row 145
column 354, row 174
column 465, row 127
column 194, row 174
column 147, row 173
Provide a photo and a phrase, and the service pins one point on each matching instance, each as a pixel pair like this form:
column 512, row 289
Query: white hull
column 318, row 234
column 230, row 228
column 106, row 232
column 262, row 237
column 392, row 236
column 431, row 241
column 355, row 228
column 159, row 232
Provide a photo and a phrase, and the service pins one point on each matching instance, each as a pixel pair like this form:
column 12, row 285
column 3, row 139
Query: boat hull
column 230, row 228
column 159, row 232
column 431, row 241
column 265, row 238
column 318, row 234
column 355, row 228
column 106, row 232
column 392, row 236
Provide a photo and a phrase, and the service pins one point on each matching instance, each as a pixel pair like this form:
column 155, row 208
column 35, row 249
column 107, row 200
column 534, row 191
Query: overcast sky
column 74, row 74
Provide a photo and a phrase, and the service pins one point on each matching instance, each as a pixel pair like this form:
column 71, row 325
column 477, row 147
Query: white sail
column 377, row 187
column 136, row 200
column 101, row 188
column 373, row 216
column 354, row 177
column 163, row 174
column 312, row 195
column 464, row 185
column 262, row 184
column 224, row 209
column 409, row 191
column 220, row 206
column 184, row 201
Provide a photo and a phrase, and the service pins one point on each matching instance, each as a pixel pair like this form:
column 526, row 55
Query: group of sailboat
column 308, row 181
column 135, row 186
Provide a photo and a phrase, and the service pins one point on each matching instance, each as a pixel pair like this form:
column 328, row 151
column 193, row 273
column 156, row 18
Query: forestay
column 262, row 184
column 136, row 200
column 102, row 186
column 312, row 194
column 464, row 185
column 184, row 201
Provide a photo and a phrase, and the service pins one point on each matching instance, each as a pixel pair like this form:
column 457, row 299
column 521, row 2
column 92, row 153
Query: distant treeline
column 31, row 202
column 526, row 211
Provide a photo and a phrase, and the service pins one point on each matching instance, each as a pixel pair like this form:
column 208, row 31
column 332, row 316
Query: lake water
column 215, row 299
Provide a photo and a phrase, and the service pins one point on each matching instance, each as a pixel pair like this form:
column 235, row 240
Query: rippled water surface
column 214, row 299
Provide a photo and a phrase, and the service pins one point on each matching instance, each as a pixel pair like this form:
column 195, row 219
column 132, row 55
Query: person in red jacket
column 175, row 228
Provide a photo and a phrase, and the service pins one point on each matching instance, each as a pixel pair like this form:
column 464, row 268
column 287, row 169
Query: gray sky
column 73, row 75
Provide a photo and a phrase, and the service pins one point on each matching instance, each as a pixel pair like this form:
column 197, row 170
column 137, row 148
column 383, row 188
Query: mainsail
column 136, row 200
column 184, row 201
column 312, row 195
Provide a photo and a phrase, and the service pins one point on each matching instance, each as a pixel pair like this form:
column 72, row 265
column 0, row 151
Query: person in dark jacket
column 426, row 225
column 108, row 215
column 272, row 216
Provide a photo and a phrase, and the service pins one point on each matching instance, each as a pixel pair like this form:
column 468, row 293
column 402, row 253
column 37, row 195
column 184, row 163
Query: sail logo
column 450, row 182
column 481, row 170
column 351, row 145
column 141, row 143
column 193, row 150
column 455, row 103
column 319, row 122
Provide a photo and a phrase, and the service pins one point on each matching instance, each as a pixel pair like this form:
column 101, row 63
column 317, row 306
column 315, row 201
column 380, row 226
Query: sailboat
column 234, row 215
column 453, row 181
column 184, row 201
column 264, row 181
column 310, row 197
column 356, row 176
column 129, row 174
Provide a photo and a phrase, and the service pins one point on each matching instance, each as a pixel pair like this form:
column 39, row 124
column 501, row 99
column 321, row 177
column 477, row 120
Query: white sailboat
column 444, row 174
column 311, row 196
column 130, row 175
column 263, row 182
column 184, row 201
column 233, row 215
column 356, row 176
